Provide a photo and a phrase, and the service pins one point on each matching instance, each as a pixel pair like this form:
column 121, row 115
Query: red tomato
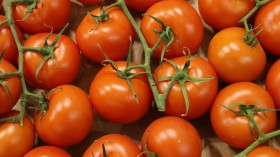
column 46, row 16
column 47, row 151
column 200, row 94
column 116, row 145
column 112, row 35
column 267, row 21
column 188, row 29
column 235, row 129
column 264, row 151
column 8, row 43
column 231, row 10
column 233, row 59
column 272, row 82
column 139, row 5
column 8, row 98
column 16, row 140
column 68, row 119
column 90, row 2
column 113, row 99
column 63, row 67
column 172, row 136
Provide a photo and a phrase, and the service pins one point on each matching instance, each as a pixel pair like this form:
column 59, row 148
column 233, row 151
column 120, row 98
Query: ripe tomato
column 68, row 119
column 234, row 129
column 113, row 99
column 172, row 136
column 7, row 42
column 139, row 5
column 111, row 36
column 90, row 2
column 47, row 151
column 16, row 140
column 63, row 67
column 8, row 98
column 200, row 94
column 233, row 59
column 264, row 151
column 267, row 21
column 231, row 10
column 46, row 16
column 115, row 145
column 272, row 82
column 188, row 29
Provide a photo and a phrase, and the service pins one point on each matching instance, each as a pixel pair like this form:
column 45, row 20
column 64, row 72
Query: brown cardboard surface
column 212, row 145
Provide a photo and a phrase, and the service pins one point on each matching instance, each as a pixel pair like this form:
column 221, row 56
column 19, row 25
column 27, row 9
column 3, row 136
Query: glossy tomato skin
column 112, row 98
column 111, row 36
column 264, row 151
column 90, row 2
column 63, row 67
column 13, row 83
column 116, row 145
column 272, row 82
column 16, row 140
column 188, row 29
column 233, row 59
column 8, row 43
column 139, row 5
column 267, row 21
column 68, row 119
column 172, row 136
column 234, row 129
column 200, row 94
column 47, row 151
column 46, row 16
column 232, row 12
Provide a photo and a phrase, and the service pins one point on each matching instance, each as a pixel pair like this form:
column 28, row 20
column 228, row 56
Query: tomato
column 231, row 10
column 7, row 42
column 139, row 5
column 113, row 99
column 188, row 29
column 267, row 21
column 111, row 36
column 47, row 150
column 234, row 129
column 46, row 16
column 68, row 119
column 200, row 94
column 64, row 65
column 16, row 140
column 115, row 145
column 90, row 2
column 172, row 136
column 233, row 59
column 272, row 82
column 10, row 96
column 264, row 151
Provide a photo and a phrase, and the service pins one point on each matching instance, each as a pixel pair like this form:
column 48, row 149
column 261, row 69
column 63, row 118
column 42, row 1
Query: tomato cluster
column 132, row 79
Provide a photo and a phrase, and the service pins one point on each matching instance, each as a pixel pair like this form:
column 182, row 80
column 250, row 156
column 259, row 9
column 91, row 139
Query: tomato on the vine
column 233, row 59
column 46, row 16
column 140, row 5
column 10, row 87
column 115, row 145
column 114, row 100
column 16, row 139
column 200, row 94
column 112, row 35
column 184, row 22
column 47, row 151
column 61, row 68
column 68, row 118
column 235, row 129
column 264, row 151
column 7, row 42
column 232, row 12
column 171, row 136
